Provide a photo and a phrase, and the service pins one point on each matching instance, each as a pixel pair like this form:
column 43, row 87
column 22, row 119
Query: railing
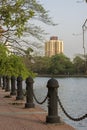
column 51, row 96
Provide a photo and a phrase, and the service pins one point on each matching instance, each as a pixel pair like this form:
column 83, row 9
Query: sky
column 70, row 15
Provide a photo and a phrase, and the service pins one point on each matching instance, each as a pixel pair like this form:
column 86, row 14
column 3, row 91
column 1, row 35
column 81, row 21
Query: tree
column 41, row 65
column 16, row 67
column 60, row 64
column 28, row 52
column 12, row 64
column 79, row 65
column 3, row 57
column 16, row 23
column 16, row 16
column 27, row 58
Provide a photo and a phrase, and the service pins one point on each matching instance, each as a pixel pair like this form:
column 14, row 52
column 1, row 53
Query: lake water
column 73, row 95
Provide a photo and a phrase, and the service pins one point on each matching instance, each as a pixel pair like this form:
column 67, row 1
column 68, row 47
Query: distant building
column 53, row 46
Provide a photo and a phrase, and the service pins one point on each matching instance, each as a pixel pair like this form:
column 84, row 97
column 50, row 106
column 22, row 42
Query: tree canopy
column 60, row 64
column 79, row 64
column 57, row 65
column 15, row 27
column 12, row 65
column 16, row 20
column 3, row 58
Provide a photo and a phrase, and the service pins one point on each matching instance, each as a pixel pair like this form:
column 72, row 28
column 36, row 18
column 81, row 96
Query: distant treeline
column 57, row 65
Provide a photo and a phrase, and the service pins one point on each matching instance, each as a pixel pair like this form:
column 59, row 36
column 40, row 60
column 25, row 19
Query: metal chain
column 74, row 119
column 38, row 101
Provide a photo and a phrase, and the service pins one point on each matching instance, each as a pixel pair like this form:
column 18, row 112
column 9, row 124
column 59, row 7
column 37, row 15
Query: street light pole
column 84, row 27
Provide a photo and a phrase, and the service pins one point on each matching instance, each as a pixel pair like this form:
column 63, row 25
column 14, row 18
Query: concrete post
column 0, row 81
column 52, row 117
column 29, row 93
column 4, row 82
column 13, row 89
column 7, row 88
column 19, row 89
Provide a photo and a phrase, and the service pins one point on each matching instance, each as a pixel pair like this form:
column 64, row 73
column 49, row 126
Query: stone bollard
column 19, row 89
column 13, row 89
column 0, row 81
column 4, row 82
column 52, row 117
column 29, row 93
column 7, row 88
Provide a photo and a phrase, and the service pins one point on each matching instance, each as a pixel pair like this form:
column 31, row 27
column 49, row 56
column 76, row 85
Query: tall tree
column 12, row 64
column 60, row 64
column 3, row 58
column 15, row 20
column 79, row 65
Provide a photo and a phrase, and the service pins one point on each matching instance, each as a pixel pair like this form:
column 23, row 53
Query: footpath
column 14, row 116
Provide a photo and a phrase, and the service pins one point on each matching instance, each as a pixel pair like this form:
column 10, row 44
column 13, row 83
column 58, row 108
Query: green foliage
column 79, row 65
column 3, row 50
column 16, row 24
column 41, row 65
column 15, row 66
column 28, row 52
column 3, row 57
column 14, row 14
column 60, row 64
column 12, row 64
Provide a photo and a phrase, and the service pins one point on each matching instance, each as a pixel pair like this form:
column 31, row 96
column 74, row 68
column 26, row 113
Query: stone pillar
column 29, row 93
column 7, row 88
column 4, row 82
column 19, row 89
column 13, row 89
column 0, row 81
column 52, row 117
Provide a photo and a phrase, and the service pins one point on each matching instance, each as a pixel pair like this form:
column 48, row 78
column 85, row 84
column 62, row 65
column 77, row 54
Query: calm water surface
column 73, row 95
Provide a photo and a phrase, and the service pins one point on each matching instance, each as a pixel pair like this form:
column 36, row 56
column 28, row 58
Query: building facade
column 53, row 46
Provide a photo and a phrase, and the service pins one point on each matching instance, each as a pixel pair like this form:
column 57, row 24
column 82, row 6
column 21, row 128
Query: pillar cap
column 52, row 83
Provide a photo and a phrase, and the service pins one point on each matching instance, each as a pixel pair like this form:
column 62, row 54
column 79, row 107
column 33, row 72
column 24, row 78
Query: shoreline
column 61, row 76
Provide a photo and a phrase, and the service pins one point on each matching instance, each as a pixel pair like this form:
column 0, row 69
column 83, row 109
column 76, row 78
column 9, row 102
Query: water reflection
column 73, row 95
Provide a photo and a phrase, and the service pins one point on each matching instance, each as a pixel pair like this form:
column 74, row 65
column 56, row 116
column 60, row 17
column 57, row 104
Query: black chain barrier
column 38, row 101
column 74, row 119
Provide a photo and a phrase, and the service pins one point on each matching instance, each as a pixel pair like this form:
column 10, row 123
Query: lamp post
column 84, row 27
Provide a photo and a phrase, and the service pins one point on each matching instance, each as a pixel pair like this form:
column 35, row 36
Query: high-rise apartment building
column 53, row 46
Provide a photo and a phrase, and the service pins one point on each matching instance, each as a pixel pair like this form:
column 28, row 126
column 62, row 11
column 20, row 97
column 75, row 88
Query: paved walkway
column 13, row 116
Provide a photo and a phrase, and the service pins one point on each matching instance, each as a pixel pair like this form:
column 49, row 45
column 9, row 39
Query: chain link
column 74, row 119
column 38, row 101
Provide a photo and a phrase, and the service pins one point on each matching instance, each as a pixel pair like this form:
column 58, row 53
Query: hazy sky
column 70, row 16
